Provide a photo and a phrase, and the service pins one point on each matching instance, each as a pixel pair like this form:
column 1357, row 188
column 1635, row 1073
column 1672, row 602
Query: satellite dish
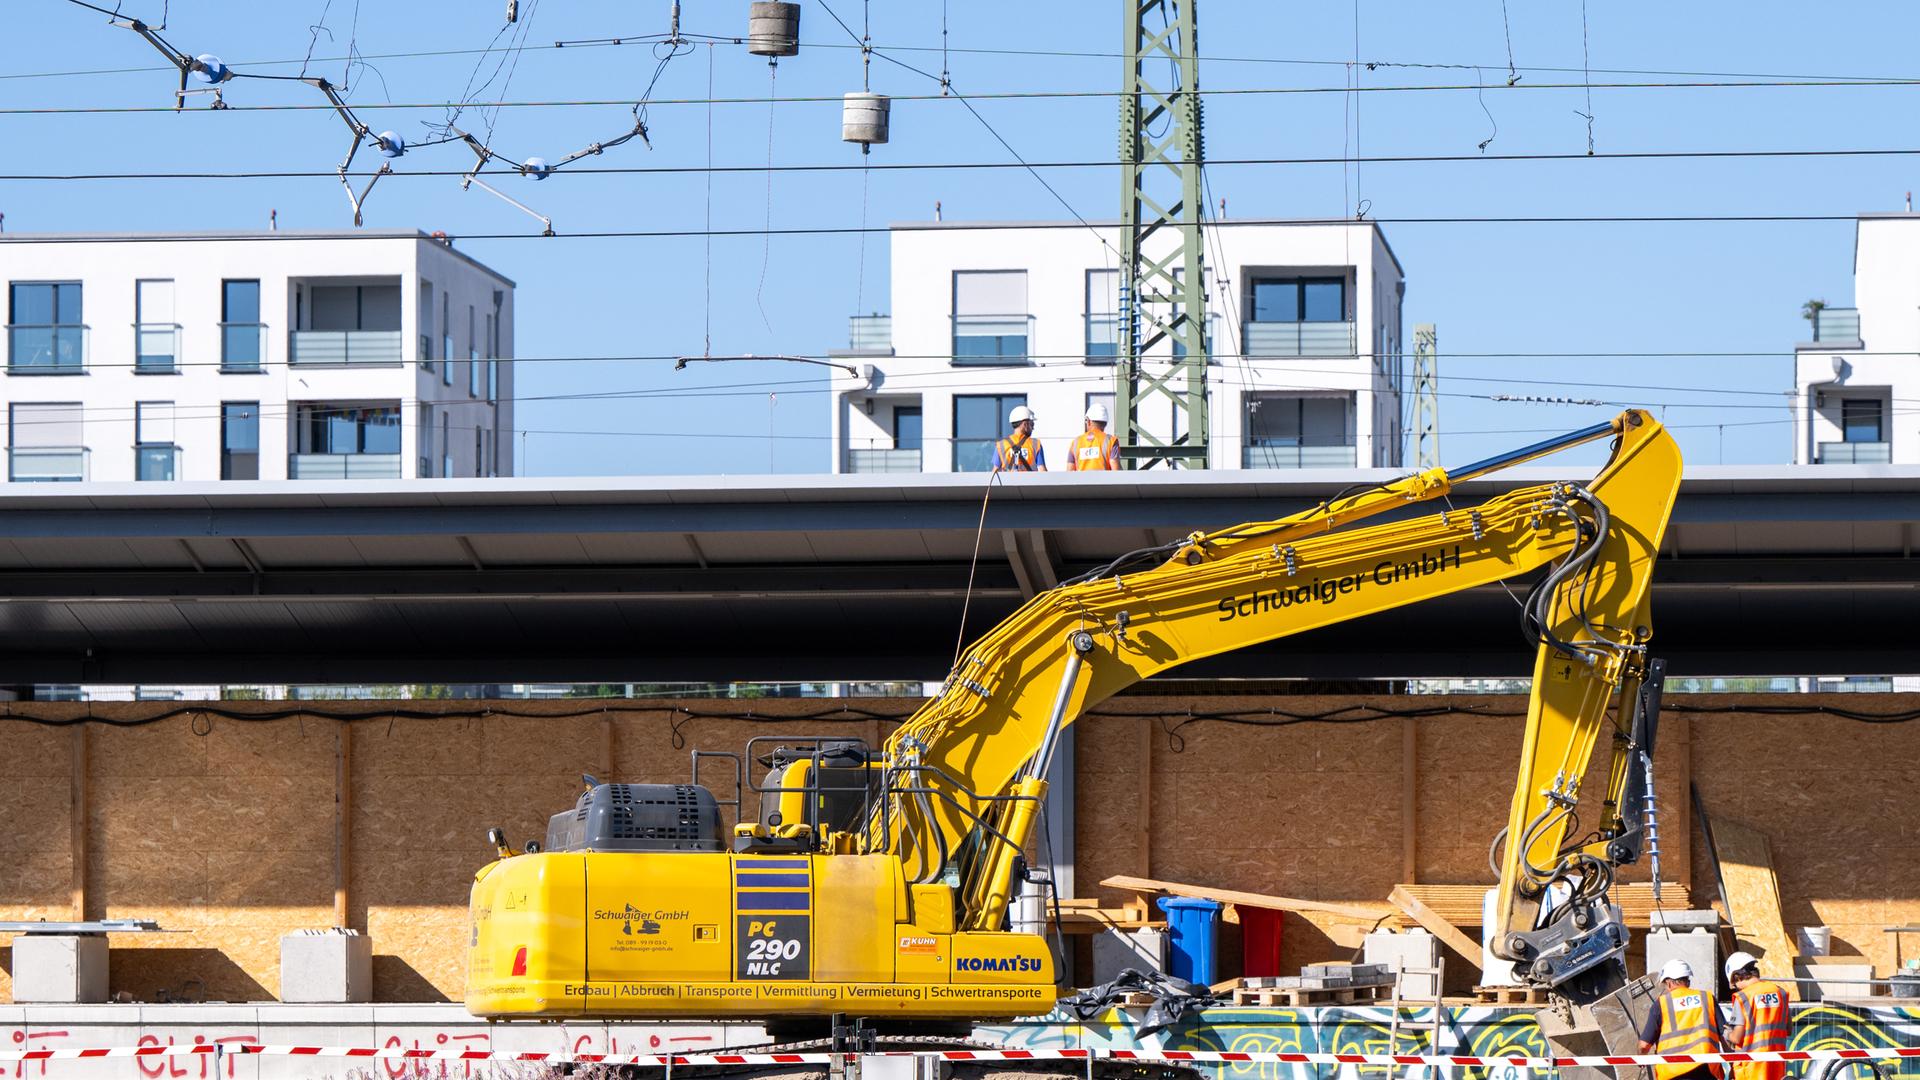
column 208, row 68
column 391, row 145
column 538, row 168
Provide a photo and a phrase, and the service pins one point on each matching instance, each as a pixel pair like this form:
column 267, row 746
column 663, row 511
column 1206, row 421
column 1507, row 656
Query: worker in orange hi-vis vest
column 1020, row 451
column 1760, row 1020
column 1094, row 448
column 1687, row 1021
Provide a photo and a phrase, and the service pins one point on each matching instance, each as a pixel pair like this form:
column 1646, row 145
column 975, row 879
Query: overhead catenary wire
column 912, row 166
column 1001, row 95
column 848, row 230
column 647, row 38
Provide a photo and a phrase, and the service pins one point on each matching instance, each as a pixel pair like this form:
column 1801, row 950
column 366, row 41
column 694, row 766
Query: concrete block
column 1115, row 951
column 1831, row 980
column 1493, row 970
column 1699, row 947
column 334, row 966
column 1683, row 921
column 60, row 968
column 1415, row 949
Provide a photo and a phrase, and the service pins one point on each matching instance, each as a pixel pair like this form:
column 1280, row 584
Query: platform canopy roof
column 1768, row 571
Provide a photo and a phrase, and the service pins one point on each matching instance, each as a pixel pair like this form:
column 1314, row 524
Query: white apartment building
column 1305, row 328
column 1855, row 380
column 287, row 355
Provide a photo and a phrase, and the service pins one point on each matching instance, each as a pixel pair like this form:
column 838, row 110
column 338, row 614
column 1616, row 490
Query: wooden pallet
column 1296, row 997
column 1510, row 995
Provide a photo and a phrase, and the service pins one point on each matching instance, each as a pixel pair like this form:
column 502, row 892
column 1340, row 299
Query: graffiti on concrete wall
column 1478, row 1031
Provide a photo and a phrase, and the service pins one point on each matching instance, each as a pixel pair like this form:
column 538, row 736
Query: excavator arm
column 968, row 768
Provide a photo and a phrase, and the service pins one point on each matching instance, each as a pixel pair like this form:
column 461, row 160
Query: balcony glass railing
column 1855, row 453
column 991, row 339
column 883, row 461
column 156, row 462
column 1298, row 338
column 156, row 348
column 344, row 348
column 47, row 464
column 1836, row 324
column 46, row 349
column 870, row 333
column 343, row 466
column 243, row 347
column 1297, row 457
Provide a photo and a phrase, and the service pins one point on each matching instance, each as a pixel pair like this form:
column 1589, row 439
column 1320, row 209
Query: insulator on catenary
column 391, row 145
column 773, row 29
column 537, row 168
column 863, row 118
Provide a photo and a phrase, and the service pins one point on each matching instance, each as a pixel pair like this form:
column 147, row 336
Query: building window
column 1299, row 431
column 1299, row 299
column 426, row 325
column 348, row 429
column 44, row 333
column 1103, row 316
column 424, row 435
column 446, row 446
column 906, row 427
column 156, row 335
column 1862, row 420
column 46, row 442
column 990, row 319
column 446, row 339
column 155, row 456
column 242, row 335
column 240, row 440
column 979, row 422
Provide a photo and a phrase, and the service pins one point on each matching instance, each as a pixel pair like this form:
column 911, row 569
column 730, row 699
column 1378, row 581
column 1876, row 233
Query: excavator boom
column 876, row 881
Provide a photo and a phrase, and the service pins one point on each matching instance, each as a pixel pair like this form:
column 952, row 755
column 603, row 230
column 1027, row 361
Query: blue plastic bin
column 1191, row 926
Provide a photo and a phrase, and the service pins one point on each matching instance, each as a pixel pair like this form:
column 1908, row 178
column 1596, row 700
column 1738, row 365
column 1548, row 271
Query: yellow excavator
column 876, row 881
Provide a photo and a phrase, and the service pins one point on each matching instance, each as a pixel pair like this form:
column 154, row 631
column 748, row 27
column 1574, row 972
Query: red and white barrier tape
column 1196, row 1056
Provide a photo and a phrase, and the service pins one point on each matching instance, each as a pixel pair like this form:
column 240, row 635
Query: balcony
column 1831, row 325
column 47, row 464
column 1297, row 338
column 1855, row 453
column 343, row 466
column 991, row 339
column 156, row 348
column 883, row 461
column 1297, row 457
column 243, row 347
column 870, row 334
column 46, row 349
column 345, row 348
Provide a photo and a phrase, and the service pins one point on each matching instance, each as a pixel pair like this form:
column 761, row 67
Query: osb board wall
column 227, row 829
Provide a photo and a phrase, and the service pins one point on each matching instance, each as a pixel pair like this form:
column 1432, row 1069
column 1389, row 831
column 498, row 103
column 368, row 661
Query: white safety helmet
column 1676, row 969
column 1739, row 962
column 1020, row 413
column 1097, row 412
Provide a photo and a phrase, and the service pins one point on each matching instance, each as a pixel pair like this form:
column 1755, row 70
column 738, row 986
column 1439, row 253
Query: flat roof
column 1800, row 570
column 217, row 235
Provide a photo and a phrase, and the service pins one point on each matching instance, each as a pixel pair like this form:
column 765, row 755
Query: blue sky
column 1526, row 289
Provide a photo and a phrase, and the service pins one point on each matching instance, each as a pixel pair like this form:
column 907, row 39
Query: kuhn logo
column 919, row 945
column 520, row 960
